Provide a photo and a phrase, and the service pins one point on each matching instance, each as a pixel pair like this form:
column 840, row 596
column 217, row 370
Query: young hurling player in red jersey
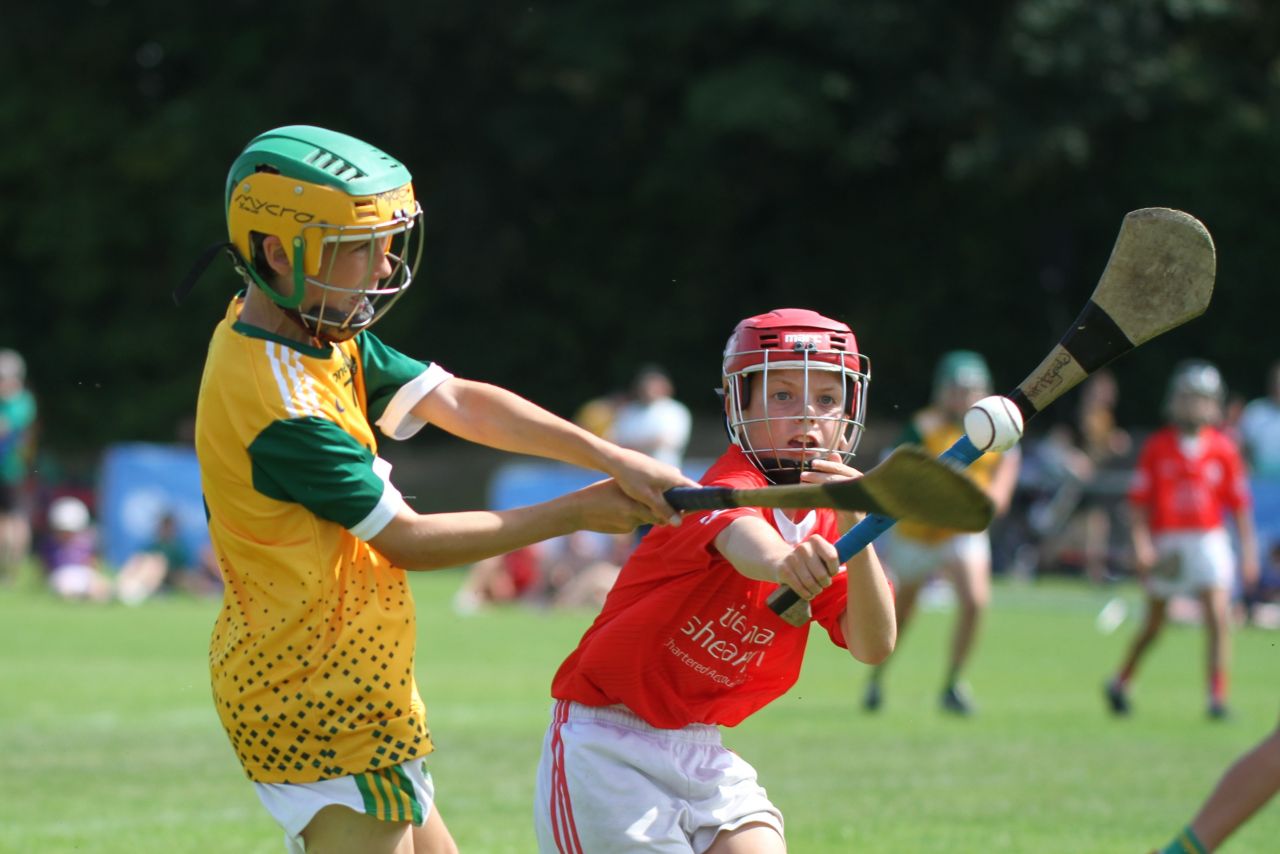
column 1189, row 477
column 685, row 642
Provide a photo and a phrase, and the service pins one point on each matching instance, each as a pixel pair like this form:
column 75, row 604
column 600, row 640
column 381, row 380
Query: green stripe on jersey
column 315, row 463
column 385, row 372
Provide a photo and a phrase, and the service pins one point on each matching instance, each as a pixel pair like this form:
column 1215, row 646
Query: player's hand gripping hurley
column 1160, row 275
column 909, row 484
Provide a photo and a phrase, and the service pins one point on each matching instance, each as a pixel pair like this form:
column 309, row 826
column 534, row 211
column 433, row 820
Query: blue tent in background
column 1266, row 514
column 139, row 483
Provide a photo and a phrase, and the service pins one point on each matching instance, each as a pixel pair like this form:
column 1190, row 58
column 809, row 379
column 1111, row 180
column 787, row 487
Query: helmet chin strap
column 354, row 322
column 783, row 472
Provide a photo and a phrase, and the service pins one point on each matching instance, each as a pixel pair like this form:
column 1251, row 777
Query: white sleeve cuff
column 398, row 421
column 386, row 508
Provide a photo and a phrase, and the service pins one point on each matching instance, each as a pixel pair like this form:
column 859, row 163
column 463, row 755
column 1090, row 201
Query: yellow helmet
column 312, row 189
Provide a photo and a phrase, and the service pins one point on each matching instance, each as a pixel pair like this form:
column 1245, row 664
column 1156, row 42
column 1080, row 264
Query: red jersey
column 683, row 637
column 1189, row 493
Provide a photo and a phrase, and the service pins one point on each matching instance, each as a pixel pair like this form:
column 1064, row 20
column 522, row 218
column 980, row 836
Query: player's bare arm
column 441, row 540
column 757, row 551
column 869, row 621
column 493, row 416
column 1144, row 549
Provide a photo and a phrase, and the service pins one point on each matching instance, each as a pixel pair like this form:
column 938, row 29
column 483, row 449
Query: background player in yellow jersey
column 312, row 654
column 914, row 553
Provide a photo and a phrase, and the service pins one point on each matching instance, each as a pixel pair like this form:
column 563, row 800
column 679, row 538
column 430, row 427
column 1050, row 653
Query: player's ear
column 275, row 256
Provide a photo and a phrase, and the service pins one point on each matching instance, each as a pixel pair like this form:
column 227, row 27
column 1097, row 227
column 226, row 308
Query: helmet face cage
column 343, row 310
column 774, row 457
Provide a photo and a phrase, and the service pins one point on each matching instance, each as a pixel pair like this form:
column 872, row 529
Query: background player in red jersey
column 633, row 759
column 1189, row 477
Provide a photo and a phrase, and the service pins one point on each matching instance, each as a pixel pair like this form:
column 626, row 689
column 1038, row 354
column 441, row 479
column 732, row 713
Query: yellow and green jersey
column 937, row 433
column 312, row 654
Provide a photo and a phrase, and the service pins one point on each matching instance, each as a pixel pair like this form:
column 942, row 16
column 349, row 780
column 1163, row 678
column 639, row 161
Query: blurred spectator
column 506, row 578
column 1082, row 477
column 576, row 570
column 597, row 414
column 653, row 421
column 17, row 444
column 1190, row 478
column 1259, row 429
column 1100, row 437
column 580, row 568
column 1106, row 445
column 166, row 564
column 69, row 553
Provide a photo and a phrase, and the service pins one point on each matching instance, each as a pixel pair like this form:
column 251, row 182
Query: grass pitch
column 109, row 741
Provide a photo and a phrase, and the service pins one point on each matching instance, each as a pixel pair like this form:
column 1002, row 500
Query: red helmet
column 793, row 339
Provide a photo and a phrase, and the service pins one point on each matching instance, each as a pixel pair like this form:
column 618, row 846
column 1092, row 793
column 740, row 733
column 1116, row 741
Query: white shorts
column 911, row 561
column 1190, row 561
column 607, row 781
column 399, row 793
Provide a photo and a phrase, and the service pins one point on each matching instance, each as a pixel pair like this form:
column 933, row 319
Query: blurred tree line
column 609, row 184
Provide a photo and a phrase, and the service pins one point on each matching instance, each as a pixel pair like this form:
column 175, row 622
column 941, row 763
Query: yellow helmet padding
column 305, row 216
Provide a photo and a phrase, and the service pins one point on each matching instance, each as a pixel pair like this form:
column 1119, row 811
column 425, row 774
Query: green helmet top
column 319, row 156
column 963, row 368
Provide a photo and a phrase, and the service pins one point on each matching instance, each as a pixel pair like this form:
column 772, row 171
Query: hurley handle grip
column 789, row 605
column 700, row 497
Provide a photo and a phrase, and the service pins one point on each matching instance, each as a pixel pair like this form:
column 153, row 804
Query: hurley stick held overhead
column 1160, row 275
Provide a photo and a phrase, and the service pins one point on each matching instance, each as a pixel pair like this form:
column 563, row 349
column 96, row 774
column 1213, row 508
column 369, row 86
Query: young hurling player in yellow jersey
column 915, row 553
column 312, row 654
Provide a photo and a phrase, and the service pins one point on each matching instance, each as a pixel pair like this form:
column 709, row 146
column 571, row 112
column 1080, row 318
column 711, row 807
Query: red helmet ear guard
column 793, row 339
